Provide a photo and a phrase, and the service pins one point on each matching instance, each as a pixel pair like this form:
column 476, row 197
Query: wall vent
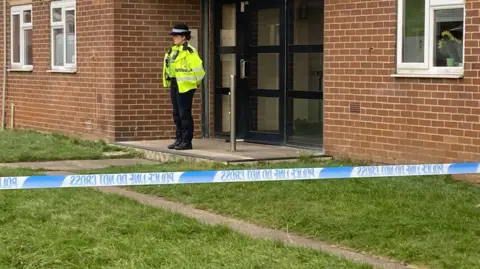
column 355, row 107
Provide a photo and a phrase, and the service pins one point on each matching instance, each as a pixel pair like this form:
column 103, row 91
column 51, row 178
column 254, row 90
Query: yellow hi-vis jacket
column 186, row 67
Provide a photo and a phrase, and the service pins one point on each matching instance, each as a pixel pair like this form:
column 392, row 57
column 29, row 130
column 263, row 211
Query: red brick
column 433, row 110
column 120, row 47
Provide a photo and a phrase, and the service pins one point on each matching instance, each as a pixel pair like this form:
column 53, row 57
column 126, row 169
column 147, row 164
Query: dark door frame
column 291, row 94
column 220, row 92
column 251, row 51
column 243, row 50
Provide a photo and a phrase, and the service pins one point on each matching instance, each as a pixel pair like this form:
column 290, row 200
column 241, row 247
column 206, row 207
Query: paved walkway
column 254, row 230
column 66, row 168
column 77, row 164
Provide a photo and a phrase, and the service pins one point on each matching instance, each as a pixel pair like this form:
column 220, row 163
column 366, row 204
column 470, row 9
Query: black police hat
column 180, row 29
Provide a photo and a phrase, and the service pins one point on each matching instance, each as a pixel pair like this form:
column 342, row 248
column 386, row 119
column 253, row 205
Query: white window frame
column 65, row 5
column 427, row 68
column 18, row 10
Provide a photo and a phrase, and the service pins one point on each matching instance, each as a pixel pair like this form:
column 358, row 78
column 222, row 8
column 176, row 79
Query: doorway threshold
column 216, row 150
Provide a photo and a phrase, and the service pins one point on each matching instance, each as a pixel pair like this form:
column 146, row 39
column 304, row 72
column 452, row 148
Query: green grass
column 431, row 220
column 18, row 172
column 82, row 228
column 26, row 146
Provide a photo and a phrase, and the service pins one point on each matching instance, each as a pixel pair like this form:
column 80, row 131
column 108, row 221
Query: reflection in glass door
column 262, row 71
column 275, row 49
column 225, row 63
column 305, row 72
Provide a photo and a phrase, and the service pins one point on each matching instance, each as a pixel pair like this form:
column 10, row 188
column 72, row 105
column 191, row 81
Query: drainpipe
column 4, row 67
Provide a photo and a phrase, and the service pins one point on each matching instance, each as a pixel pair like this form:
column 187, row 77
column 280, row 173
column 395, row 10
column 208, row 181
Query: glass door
column 305, row 72
column 262, row 70
column 228, row 46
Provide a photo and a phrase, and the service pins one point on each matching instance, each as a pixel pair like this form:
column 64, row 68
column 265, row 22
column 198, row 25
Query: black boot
column 184, row 146
column 175, row 144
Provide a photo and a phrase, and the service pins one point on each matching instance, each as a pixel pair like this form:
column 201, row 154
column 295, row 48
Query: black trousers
column 182, row 112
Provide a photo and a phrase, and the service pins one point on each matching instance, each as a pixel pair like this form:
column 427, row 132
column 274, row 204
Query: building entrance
column 275, row 50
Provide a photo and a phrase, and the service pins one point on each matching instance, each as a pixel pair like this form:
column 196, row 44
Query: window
column 63, row 35
column 430, row 38
column 21, row 37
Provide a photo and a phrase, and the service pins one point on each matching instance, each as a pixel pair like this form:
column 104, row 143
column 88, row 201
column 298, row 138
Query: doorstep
column 217, row 150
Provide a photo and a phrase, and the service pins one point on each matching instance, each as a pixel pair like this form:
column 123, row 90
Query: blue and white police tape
column 256, row 175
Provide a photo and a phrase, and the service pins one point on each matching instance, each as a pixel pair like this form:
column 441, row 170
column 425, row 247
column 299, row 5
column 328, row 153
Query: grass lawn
column 82, row 228
column 17, row 172
column 431, row 220
column 26, row 146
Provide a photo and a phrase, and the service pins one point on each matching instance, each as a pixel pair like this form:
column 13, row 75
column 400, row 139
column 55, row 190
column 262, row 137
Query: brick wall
column 401, row 119
column 75, row 104
column 117, row 92
column 142, row 105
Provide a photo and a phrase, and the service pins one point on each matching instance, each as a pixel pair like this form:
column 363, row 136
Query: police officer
column 182, row 72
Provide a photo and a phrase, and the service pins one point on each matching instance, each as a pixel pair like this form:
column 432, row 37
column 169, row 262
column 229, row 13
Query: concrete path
column 254, row 230
column 219, row 151
column 66, row 168
column 77, row 164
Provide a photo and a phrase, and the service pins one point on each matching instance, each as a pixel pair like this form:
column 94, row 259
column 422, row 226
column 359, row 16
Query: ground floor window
column 430, row 37
column 21, row 37
column 63, row 33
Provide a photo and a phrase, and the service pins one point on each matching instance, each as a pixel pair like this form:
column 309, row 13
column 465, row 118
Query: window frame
column 18, row 10
column 64, row 5
column 427, row 68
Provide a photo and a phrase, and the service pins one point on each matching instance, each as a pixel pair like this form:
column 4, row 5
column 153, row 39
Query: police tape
column 255, row 175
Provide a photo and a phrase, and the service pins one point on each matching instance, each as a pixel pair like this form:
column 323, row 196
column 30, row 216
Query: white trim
column 426, row 76
column 400, row 22
column 427, row 68
column 27, row 69
column 64, row 5
column 18, row 10
column 432, row 39
column 437, row 3
column 65, row 70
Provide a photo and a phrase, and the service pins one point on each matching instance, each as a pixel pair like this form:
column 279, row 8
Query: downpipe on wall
column 4, row 79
